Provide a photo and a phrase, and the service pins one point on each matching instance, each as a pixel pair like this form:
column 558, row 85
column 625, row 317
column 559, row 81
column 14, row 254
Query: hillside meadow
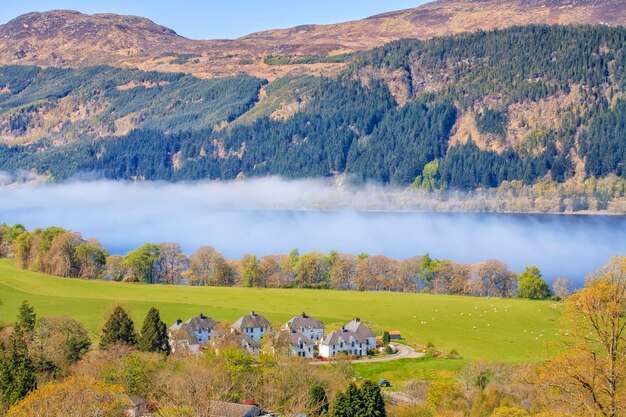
column 507, row 330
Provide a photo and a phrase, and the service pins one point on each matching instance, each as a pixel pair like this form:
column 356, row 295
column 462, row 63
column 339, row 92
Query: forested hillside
column 467, row 111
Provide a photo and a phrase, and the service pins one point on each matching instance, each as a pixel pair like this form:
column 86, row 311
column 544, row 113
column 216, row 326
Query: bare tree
column 343, row 272
column 493, row 279
column 208, row 267
column 170, row 264
column 562, row 287
column 60, row 260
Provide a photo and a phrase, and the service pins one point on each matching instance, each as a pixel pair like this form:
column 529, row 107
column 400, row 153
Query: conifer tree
column 26, row 317
column 373, row 401
column 154, row 334
column 17, row 375
column 318, row 400
column 118, row 329
column 340, row 406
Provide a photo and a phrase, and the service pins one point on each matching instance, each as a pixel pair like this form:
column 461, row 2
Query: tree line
column 64, row 253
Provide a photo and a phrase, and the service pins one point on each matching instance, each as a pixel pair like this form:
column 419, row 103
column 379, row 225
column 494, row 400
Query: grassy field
column 479, row 328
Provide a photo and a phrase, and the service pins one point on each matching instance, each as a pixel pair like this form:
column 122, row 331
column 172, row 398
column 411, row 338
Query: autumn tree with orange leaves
column 589, row 379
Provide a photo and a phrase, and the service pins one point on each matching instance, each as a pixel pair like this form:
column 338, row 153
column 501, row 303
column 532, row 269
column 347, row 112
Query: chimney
column 303, row 315
column 357, row 320
column 252, row 313
column 179, row 322
column 202, row 316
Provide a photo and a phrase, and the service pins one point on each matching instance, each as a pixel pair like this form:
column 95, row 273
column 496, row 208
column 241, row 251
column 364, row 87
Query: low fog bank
column 269, row 216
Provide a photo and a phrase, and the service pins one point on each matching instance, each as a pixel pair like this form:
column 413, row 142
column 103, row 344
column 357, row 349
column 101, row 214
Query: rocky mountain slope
column 70, row 39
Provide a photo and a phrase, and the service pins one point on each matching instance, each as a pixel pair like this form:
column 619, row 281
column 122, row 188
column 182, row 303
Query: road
column 404, row 352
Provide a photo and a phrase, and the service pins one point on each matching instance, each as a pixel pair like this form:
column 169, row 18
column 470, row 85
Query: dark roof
column 238, row 338
column 359, row 328
column 183, row 332
column 136, row 401
column 304, row 321
column 201, row 322
column 296, row 336
column 195, row 323
column 251, row 320
column 333, row 337
column 224, row 409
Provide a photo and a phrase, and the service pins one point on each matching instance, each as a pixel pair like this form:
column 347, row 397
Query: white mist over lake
column 271, row 216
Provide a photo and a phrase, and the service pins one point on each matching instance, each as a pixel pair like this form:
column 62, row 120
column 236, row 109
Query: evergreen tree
column 354, row 400
column 386, row 337
column 341, row 407
column 318, row 400
column 118, row 329
column 373, row 404
column 154, row 334
column 26, row 317
column 17, row 375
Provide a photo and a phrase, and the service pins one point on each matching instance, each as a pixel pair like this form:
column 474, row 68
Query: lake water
column 124, row 218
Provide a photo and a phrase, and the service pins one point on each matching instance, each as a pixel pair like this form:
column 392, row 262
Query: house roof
column 250, row 321
column 359, row 328
column 136, row 401
column 224, row 409
column 303, row 321
column 239, row 338
column 195, row 323
column 183, row 332
column 394, row 333
column 333, row 337
column 296, row 336
column 201, row 322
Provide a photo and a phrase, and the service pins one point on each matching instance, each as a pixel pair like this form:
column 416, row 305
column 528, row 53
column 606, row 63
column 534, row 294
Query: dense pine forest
column 464, row 112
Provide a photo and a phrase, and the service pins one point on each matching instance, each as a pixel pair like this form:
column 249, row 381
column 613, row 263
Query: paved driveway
column 404, row 352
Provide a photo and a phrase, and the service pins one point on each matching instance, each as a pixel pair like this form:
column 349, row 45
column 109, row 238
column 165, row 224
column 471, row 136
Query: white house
column 343, row 341
column 363, row 332
column 253, row 325
column 311, row 328
column 301, row 345
column 191, row 335
column 237, row 339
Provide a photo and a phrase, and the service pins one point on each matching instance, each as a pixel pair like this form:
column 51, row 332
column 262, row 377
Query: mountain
column 70, row 39
column 505, row 108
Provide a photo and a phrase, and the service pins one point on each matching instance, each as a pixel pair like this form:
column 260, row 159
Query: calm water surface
column 567, row 245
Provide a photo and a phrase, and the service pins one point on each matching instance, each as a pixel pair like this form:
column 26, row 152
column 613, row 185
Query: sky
column 220, row 19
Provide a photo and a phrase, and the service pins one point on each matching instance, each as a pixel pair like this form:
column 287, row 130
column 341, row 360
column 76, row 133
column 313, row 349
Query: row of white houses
column 305, row 335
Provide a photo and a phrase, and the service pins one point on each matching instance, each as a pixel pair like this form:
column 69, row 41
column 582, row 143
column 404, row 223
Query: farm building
column 395, row 335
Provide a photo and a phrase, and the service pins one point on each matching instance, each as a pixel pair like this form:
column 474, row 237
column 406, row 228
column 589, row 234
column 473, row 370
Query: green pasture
column 507, row 330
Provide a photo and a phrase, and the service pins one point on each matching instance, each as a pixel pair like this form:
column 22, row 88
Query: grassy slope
column 498, row 329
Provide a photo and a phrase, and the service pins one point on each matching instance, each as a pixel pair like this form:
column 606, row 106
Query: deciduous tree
column 75, row 396
column 532, row 286
column 589, row 379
